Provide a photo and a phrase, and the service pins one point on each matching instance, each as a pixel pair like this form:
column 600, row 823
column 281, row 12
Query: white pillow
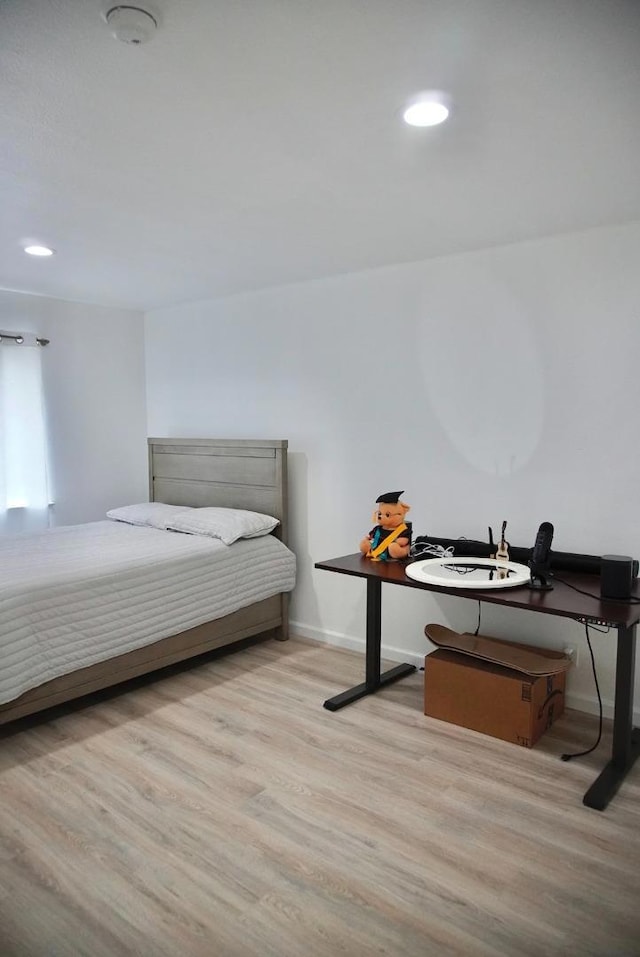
column 154, row 514
column 227, row 524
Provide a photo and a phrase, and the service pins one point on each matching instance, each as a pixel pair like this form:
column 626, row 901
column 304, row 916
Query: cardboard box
column 491, row 698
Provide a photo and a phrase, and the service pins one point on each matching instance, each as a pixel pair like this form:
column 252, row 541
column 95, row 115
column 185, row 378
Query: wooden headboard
column 228, row 473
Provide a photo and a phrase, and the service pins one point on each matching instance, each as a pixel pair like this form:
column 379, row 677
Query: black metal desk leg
column 626, row 740
column 374, row 633
column 374, row 680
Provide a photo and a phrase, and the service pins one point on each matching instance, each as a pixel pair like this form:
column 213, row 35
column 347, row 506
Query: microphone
column 542, row 544
column 539, row 563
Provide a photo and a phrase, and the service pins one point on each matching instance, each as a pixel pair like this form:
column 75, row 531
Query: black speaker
column 616, row 576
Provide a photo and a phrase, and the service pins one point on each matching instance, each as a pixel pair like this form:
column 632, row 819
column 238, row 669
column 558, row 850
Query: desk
column 563, row 601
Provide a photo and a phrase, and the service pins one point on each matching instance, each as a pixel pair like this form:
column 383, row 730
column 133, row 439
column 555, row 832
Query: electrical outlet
column 571, row 653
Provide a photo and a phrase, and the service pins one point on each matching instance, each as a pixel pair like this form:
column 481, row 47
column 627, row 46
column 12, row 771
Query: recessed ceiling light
column 427, row 109
column 38, row 250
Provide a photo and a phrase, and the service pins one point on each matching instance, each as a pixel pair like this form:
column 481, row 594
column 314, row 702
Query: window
column 24, row 483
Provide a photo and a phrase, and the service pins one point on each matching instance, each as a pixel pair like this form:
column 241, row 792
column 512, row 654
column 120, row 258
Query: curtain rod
column 19, row 338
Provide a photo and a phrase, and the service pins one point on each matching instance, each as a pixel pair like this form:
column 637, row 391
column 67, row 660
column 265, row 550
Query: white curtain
column 24, row 486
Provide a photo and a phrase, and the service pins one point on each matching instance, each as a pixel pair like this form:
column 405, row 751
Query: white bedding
column 73, row 596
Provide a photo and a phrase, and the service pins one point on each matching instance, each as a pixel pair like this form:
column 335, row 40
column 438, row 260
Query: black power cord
column 581, row 754
column 626, row 601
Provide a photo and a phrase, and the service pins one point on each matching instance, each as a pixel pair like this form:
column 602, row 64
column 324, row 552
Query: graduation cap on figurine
column 389, row 498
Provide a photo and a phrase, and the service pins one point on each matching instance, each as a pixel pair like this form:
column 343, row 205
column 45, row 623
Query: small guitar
column 502, row 552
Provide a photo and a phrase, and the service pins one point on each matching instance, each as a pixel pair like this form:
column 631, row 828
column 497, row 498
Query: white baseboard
column 339, row 640
column 589, row 705
column 577, row 702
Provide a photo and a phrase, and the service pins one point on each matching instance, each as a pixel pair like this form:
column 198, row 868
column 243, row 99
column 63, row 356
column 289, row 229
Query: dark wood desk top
column 563, row 600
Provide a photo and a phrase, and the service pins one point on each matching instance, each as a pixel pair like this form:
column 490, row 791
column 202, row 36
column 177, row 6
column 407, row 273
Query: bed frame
column 230, row 473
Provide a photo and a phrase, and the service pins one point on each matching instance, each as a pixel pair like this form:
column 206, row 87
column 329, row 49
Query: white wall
column 494, row 385
column 95, row 391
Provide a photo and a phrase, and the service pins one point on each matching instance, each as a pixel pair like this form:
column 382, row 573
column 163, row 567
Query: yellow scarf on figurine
column 390, row 539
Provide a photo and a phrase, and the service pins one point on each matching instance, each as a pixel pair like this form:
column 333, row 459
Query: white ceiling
column 259, row 142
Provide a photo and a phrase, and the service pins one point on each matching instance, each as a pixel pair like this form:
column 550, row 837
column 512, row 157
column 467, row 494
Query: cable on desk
column 581, row 754
column 420, row 549
column 625, row 601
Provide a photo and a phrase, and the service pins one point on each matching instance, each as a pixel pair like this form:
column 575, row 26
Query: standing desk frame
column 563, row 601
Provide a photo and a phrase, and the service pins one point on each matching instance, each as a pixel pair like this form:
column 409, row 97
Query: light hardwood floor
column 222, row 812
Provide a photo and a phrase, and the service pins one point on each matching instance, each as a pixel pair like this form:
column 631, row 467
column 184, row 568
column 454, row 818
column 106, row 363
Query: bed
column 188, row 472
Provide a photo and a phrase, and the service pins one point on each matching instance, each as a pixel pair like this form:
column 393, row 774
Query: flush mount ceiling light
column 426, row 109
column 39, row 250
column 131, row 24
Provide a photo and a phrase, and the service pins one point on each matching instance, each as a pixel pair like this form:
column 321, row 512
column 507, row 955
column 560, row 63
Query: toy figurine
column 390, row 539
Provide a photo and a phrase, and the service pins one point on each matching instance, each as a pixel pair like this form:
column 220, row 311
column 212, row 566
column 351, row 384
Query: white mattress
column 73, row 596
